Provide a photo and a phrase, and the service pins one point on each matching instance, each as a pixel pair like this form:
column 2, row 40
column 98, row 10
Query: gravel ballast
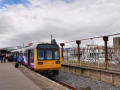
column 79, row 81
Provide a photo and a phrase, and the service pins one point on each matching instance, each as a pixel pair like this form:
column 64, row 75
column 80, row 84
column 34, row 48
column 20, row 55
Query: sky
column 3, row 3
column 24, row 21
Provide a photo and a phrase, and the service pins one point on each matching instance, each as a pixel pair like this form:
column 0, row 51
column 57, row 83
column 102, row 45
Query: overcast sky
column 23, row 21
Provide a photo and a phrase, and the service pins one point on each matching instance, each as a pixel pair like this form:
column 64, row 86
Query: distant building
column 89, row 53
column 70, row 53
column 116, row 42
column 116, row 45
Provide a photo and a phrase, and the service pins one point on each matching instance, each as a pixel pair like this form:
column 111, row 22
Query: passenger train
column 43, row 57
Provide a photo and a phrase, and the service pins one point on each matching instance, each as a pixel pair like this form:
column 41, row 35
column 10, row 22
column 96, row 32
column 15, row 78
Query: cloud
column 65, row 19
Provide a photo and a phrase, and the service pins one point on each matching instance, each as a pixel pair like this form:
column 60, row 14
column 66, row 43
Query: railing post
column 105, row 38
column 62, row 45
column 78, row 49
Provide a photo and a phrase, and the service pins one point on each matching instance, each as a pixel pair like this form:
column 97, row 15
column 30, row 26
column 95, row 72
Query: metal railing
column 98, row 52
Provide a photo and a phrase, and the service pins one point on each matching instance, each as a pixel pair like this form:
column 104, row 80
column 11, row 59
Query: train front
column 47, row 58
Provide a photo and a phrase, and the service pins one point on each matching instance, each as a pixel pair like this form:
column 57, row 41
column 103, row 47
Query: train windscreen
column 48, row 52
column 41, row 55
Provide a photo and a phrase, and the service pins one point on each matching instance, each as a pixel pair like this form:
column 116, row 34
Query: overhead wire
column 93, row 38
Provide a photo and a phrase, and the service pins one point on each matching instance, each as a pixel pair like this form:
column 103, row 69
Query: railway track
column 69, row 86
column 66, row 85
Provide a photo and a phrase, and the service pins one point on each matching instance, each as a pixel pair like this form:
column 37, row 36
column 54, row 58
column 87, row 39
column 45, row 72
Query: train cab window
column 56, row 54
column 49, row 54
column 41, row 55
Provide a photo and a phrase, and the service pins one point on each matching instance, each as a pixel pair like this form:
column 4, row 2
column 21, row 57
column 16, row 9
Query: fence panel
column 98, row 52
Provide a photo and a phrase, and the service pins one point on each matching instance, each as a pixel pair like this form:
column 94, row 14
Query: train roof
column 42, row 45
column 47, row 45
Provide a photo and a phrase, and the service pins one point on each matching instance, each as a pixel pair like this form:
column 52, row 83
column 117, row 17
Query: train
column 43, row 57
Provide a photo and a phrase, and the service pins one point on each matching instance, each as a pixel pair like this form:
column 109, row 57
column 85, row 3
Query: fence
column 98, row 52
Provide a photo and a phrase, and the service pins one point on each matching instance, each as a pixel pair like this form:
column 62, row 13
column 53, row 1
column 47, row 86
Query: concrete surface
column 43, row 82
column 13, row 79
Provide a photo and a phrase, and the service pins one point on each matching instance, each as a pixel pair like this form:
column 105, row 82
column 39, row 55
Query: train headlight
column 40, row 63
column 57, row 62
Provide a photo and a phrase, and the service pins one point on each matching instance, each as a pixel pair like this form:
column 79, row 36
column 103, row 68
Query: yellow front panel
column 47, row 64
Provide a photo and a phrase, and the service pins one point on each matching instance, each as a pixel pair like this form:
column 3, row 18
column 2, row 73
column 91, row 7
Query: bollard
column 62, row 45
column 105, row 38
column 78, row 49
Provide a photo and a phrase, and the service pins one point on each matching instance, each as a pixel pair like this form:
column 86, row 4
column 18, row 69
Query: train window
column 40, row 55
column 49, row 54
column 56, row 54
column 32, row 54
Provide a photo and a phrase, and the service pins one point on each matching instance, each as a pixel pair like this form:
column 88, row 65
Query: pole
column 105, row 38
column 62, row 45
column 78, row 49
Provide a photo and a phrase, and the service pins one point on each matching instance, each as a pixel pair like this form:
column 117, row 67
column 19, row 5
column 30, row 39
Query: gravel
column 79, row 81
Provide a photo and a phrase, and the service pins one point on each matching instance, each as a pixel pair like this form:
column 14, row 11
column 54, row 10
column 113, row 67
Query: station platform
column 101, row 74
column 13, row 79
column 22, row 78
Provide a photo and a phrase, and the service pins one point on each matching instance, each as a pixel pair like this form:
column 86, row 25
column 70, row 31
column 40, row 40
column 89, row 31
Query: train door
column 29, row 57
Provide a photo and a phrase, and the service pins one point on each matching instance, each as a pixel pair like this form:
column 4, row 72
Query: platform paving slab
column 12, row 78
